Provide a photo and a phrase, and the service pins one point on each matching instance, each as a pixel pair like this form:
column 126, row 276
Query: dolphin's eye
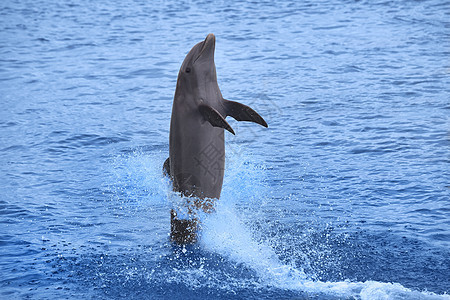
column 188, row 70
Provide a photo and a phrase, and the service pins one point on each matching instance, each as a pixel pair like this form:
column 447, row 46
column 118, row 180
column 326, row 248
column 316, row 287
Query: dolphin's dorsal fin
column 214, row 117
column 242, row 112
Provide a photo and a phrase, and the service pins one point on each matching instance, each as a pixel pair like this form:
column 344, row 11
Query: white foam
column 224, row 233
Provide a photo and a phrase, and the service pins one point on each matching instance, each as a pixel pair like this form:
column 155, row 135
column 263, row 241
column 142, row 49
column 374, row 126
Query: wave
column 227, row 234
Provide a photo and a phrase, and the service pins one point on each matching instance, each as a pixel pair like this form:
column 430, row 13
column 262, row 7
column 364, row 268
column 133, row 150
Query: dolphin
column 197, row 140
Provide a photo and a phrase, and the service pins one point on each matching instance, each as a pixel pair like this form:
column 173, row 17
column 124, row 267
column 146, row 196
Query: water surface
column 345, row 195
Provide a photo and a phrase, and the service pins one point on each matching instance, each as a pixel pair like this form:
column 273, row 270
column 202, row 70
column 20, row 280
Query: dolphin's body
column 197, row 146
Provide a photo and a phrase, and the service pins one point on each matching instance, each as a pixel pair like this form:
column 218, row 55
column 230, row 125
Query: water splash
column 229, row 245
column 225, row 233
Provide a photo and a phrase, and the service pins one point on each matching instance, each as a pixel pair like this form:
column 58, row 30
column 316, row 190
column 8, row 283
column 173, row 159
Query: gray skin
column 197, row 146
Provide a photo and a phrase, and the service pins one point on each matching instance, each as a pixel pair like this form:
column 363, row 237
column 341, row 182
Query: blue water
column 345, row 195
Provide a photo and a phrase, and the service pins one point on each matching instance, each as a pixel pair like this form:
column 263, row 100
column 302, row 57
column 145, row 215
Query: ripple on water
column 345, row 191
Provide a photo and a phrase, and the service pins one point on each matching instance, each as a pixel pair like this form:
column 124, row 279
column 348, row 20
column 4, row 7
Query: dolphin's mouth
column 208, row 43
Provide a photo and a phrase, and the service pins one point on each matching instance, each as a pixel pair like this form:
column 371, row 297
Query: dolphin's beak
column 208, row 47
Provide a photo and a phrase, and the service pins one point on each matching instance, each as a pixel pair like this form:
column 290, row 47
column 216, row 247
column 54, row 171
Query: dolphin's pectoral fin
column 214, row 117
column 242, row 112
column 166, row 167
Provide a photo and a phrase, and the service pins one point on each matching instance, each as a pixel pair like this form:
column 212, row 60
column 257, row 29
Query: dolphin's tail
column 183, row 231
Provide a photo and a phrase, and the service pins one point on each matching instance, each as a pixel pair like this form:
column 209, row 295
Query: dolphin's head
column 197, row 75
column 200, row 57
